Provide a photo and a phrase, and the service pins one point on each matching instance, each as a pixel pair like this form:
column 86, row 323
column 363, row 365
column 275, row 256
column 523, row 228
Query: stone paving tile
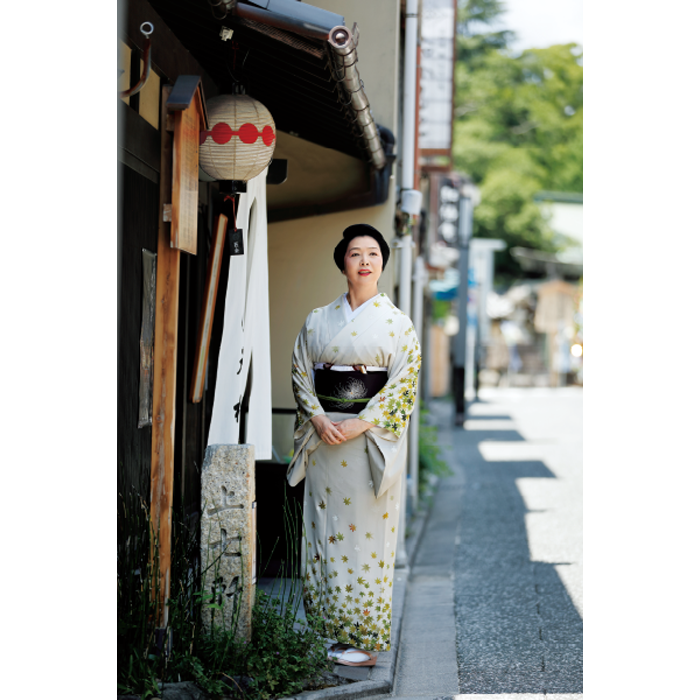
column 427, row 676
column 353, row 673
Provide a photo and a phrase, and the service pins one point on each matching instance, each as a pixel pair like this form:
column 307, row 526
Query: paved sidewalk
column 427, row 650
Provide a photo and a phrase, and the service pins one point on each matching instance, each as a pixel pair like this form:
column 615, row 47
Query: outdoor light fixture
column 241, row 140
column 411, row 201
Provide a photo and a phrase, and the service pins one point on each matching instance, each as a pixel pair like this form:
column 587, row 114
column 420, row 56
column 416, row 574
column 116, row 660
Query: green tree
column 518, row 128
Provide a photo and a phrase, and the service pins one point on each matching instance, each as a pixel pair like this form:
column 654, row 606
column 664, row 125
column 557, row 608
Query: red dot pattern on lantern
column 222, row 133
column 241, row 141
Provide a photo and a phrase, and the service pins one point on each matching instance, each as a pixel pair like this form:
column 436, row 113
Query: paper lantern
column 240, row 143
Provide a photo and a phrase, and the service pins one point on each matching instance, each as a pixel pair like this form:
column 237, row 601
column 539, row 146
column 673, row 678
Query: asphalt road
column 494, row 603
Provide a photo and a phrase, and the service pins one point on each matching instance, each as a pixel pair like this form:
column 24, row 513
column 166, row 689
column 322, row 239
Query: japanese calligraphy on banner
column 437, row 76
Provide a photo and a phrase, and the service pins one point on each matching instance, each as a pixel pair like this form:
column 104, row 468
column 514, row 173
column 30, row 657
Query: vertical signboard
column 437, row 77
column 448, row 213
column 186, row 106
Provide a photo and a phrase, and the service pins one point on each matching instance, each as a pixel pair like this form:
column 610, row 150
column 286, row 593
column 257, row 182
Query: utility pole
column 469, row 198
column 481, row 252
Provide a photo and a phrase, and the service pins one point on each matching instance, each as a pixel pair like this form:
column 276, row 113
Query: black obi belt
column 347, row 392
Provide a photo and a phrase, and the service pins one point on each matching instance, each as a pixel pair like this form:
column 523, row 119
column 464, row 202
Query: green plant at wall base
column 137, row 652
column 282, row 658
column 430, row 460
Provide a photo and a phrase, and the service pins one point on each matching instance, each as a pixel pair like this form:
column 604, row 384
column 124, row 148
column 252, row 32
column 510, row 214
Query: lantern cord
column 232, row 198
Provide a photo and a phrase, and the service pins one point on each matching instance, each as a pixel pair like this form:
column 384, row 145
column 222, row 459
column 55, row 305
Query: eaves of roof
column 312, row 89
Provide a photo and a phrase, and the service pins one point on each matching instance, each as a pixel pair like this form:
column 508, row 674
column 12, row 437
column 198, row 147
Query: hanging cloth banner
column 244, row 355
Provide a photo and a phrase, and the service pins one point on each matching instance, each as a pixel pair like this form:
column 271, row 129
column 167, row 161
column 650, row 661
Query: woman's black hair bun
column 353, row 232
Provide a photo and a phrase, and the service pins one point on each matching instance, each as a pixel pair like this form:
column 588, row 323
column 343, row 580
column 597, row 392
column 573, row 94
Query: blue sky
column 541, row 23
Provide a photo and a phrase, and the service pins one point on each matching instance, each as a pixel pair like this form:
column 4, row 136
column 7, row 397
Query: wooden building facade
column 333, row 167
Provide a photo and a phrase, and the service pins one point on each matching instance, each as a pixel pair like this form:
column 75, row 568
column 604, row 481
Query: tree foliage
column 518, row 128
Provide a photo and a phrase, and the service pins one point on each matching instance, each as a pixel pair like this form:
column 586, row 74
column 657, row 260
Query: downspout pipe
column 410, row 58
column 410, row 198
column 410, row 205
column 417, row 318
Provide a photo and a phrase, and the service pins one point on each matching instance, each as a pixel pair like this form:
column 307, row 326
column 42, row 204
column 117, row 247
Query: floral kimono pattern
column 352, row 490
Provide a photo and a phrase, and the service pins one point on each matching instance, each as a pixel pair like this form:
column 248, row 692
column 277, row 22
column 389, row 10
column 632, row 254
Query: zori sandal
column 350, row 656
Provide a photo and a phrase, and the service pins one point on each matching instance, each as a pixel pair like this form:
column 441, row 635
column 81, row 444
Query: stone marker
column 228, row 535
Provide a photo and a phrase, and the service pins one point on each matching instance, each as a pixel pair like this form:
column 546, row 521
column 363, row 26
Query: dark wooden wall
column 192, row 420
column 139, row 224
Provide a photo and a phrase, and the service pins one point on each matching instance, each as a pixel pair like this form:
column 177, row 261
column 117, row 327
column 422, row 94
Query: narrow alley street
column 494, row 601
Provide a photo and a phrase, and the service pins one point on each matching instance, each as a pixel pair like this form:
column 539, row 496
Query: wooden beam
column 164, row 373
column 216, row 253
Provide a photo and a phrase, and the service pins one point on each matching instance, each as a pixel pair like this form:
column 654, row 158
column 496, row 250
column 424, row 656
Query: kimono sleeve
column 390, row 411
column 308, row 404
column 306, row 440
column 391, row 408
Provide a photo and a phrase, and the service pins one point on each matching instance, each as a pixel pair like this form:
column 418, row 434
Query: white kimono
column 352, row 490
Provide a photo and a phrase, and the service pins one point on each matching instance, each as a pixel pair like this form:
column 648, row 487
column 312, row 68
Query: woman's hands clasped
column 337, row 432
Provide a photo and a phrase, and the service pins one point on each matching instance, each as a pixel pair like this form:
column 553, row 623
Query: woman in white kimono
column 355, row 370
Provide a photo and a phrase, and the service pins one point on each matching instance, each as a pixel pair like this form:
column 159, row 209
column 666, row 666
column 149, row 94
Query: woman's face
column 363, row 261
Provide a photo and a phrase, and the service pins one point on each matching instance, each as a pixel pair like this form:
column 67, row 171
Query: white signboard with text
column 437, row 75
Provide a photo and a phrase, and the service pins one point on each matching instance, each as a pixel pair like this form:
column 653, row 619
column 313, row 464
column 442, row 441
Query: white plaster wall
column 302, row 272
column 303, row 276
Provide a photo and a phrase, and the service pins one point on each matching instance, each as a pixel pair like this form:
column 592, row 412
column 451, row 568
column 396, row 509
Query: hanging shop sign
column 437, row 77
column 448, row 213
column 187, row 115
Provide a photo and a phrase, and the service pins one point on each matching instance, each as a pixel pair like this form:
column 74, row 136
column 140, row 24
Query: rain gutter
column 290, row 15
column 343, row 49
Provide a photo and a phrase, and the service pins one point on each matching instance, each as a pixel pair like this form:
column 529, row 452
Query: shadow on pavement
column 517, row 628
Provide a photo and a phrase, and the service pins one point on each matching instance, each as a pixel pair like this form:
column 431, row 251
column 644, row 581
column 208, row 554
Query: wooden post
column 164, row 370
column 206, row 318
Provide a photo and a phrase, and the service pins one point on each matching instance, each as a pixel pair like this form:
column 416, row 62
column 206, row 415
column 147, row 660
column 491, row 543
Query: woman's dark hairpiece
column 353, row 232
